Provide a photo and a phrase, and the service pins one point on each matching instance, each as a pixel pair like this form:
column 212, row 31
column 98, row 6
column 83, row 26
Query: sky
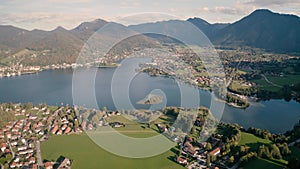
column 48, row 14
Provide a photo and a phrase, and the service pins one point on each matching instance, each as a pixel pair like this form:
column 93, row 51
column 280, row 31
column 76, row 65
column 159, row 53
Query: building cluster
column 64, row 122
column 20, row 139
column 198, row 153
column 19, row 70
column 65, row 163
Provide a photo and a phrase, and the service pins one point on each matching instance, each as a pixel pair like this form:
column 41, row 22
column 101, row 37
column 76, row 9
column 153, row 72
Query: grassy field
column 235, row 85
column 281, row 81
column 86, row 154
column 262, row 163
column 264, row 85
column 132, row 128
column 252, row 141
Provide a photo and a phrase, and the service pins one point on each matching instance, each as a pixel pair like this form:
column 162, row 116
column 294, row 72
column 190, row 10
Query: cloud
column 269, row 3
column 145, row 17
column 225, row 10
column 43, row 20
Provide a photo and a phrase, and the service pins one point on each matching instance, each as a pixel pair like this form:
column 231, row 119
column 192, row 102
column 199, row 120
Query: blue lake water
column 55, row 87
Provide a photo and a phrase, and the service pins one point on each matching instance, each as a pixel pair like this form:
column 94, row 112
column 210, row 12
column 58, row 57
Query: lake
column 54, row 87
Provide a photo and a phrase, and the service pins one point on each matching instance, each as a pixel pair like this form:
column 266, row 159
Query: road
column 268, row 81
column 38, row 154
column 12, row 152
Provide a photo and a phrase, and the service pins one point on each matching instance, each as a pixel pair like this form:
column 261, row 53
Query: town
column 25, row 126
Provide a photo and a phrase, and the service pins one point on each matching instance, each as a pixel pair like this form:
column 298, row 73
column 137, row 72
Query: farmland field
column 252, row 141
column 86, row 154
column 280, row 81
column 262, row 163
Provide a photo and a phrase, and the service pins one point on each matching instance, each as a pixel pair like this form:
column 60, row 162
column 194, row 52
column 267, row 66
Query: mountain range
column 262, row 29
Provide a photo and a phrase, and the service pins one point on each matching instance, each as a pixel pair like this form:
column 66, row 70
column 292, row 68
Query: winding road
column 268, row 81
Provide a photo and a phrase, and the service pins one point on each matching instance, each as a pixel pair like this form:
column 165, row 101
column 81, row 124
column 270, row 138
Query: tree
column 261, row 151
column 95, row 120
column 9, row 157
column 2, row 160
column 285, row 149
column 70, row 118
column 231, row 159
column 242, row 149
column 213, row 158
column 193, row 131
column 264, row 152
column 208, row 146
column 275, row 152
column 208, row 161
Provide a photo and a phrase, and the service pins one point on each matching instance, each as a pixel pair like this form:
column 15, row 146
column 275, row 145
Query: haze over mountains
column 261, row 29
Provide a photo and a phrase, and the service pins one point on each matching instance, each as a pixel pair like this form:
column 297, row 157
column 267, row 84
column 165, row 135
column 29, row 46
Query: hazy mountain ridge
column 209, row 29
column 261, row 29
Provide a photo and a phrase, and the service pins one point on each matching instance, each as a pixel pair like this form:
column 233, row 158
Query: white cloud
column 269, row 3
column 44, row 20
column 225, row 10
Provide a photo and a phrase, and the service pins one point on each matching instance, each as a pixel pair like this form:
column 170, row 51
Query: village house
column 15, row 136
column 64, row 127
column 3, row 146
column 190, row 149
column 215, row 152
column 182, row 160
column 33, row 117
column 13, row 165
column 59, row 132
column 28, row 156
column 21, row 148
column 162, row 128
column 17, row 159
column 8, row 135
column 15, row 129
column 31, row 160
column 65, row 164
column 48, row 165
column 68, row 130
column 54, row 129
column 13, row 143
column 116, row 124
column 90, row 127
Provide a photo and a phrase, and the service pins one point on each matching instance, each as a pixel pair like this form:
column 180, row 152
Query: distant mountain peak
column 263, row 29
column 99, row 21
column 193, row 20
column 263, row 11
column 59, row 28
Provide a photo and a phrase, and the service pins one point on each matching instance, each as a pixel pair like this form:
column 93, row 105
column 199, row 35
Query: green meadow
column 86, row 154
